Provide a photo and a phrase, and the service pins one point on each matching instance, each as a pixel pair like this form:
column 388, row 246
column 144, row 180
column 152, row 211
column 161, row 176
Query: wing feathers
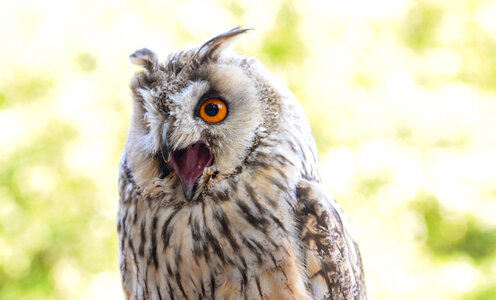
column 332, row 256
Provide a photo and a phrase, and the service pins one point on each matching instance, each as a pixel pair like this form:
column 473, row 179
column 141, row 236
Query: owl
column 220, row 194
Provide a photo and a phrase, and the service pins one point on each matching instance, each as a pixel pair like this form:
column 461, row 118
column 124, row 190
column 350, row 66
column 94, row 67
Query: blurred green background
column 401, row 96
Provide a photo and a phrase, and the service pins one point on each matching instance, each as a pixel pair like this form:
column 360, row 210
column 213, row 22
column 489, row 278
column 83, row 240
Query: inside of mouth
column 190, row 162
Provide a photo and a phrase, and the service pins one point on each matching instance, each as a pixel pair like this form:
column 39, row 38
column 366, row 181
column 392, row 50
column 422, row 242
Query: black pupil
column 211, row 109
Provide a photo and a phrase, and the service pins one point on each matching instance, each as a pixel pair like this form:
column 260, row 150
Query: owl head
column 203, row 114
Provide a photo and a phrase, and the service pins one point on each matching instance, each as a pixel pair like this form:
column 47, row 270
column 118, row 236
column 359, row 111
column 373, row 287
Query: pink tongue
column 189, row 164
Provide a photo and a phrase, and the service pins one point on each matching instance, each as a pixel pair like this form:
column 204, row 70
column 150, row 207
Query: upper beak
column 165, row 148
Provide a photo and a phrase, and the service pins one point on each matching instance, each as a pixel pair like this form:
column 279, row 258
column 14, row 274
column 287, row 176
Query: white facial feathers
column 230, row 139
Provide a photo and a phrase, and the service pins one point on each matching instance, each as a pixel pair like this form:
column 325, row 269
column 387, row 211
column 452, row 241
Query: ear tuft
column 145, row 58
column 216, row 45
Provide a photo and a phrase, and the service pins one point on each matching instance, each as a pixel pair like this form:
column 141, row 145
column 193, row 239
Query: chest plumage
column 219, row 188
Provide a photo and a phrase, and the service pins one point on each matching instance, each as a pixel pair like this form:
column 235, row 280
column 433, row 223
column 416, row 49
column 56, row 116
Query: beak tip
column 188, row 193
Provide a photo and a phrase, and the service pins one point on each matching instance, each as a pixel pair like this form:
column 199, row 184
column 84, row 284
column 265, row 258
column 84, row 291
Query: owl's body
column 251, row 221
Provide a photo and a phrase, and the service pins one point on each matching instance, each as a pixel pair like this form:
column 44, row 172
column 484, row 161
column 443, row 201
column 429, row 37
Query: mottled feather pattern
column 259, row 225
column 333, row 259
column 234, row 230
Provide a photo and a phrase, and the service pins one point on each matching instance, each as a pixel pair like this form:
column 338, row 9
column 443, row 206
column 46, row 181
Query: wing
column 331, row 255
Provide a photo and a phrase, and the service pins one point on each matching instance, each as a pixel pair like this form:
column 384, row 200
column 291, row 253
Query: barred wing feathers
column 331, row 253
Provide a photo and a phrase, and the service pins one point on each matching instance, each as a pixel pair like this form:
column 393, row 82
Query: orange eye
column 147, row 123
column 213, row 110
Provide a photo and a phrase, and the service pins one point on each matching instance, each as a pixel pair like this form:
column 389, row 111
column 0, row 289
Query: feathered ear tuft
column 145, row 58
column 215, row 46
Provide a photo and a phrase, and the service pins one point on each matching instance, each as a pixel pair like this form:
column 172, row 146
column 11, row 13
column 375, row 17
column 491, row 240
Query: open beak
column 188, row 164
